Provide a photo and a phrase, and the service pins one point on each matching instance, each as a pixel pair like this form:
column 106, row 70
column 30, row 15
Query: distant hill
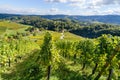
column 2, row 16
column 112, row 19
column 85, row 26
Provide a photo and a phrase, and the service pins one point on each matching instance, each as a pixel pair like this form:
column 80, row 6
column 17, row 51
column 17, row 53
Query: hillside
column 68, row 62
column 9, row 27
column 84, row 29
column 85, row 26
column 38, row 38
column 112, row 19
column 44, row 53
column 3, row 16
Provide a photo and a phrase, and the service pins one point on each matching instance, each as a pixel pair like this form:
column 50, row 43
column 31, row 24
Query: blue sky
column 68, row 7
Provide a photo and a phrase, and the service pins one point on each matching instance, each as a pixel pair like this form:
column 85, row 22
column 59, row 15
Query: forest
column 31, row 48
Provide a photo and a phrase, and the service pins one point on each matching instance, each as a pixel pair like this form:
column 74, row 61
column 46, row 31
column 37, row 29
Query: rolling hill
column 85, row 26
column 11, row 27
column 112, row 19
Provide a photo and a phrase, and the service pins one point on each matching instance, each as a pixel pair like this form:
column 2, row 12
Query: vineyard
column 33, row 48
column 22, row 58
column 60, row 40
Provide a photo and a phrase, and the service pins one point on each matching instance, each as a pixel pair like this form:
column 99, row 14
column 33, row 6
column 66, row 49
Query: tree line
column 85, row 29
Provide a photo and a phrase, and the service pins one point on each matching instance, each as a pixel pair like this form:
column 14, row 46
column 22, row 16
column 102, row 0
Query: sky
column 66, row 7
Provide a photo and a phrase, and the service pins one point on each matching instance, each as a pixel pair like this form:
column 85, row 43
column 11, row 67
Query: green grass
column 73, row 37
column 55, row 36
column 11, row 25
column 7, row 27
column 2, row 29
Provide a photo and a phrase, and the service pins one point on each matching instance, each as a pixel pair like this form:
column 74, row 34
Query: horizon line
column 58, row 14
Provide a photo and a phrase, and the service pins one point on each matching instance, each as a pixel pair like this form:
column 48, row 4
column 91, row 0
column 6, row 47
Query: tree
column 64, row 48
column 45, row 55
column 75, row 50
column 87, row 48
column 112, row 50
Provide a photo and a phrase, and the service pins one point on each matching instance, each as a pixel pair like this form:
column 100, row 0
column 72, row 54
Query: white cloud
column 77, row 7
column 58, row 1
column 104, row 2
column 115, row 11
column 64, row 1
column 97, row 7
column 54, row 10
column 13, row 10
column 76, row 1
column 27, row 11
column 87, row 3
column 58, row 11
column 111, row 11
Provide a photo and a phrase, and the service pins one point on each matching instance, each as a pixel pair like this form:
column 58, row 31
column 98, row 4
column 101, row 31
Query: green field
column 7, row 27
column 55, row 36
